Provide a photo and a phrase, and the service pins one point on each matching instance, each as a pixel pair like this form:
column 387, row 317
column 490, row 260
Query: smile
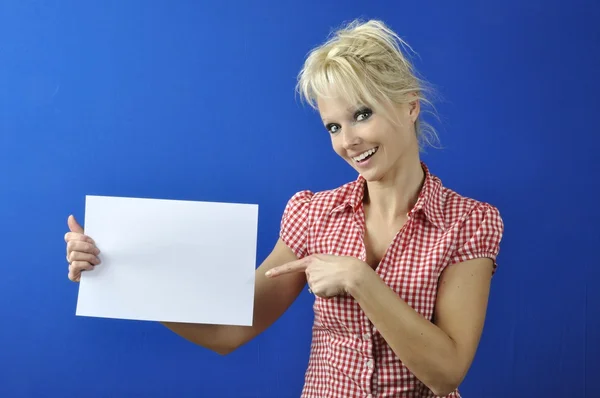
column 365, row 155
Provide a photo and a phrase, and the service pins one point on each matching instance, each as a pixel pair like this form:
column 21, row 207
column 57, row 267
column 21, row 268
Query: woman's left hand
column 327, row 275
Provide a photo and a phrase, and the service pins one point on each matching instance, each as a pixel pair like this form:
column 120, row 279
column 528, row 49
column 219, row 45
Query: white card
column 170, row 261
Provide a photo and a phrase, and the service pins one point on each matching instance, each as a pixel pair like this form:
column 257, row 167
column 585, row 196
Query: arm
column 440, row 353
column 271, row 300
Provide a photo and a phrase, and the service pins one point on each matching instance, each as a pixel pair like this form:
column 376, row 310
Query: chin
column 367, row 173
column 370, row 175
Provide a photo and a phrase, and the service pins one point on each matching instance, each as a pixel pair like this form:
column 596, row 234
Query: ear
column 414, row 108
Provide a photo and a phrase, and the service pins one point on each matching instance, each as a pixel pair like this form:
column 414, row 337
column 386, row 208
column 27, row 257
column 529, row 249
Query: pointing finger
column 293, row 266
column 69, row 236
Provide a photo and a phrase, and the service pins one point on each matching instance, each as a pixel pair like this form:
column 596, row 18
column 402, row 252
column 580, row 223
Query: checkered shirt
column 349, row 357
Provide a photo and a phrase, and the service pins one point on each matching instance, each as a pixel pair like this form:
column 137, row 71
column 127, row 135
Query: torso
column 349, row 357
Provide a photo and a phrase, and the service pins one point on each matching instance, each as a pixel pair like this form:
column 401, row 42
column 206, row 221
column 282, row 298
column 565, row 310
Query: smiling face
column 369, row 141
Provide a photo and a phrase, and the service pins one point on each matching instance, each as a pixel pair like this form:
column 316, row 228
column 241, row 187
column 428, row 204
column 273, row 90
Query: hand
column 327, row 275
column 82, row 253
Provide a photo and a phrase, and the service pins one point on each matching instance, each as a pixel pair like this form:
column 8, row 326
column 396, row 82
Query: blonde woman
column 399, row 264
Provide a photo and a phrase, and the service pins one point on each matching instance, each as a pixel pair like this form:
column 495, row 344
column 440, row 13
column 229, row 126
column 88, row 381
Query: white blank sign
column 170, row 261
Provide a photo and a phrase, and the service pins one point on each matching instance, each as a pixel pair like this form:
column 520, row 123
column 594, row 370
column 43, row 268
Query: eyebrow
column 350, row 109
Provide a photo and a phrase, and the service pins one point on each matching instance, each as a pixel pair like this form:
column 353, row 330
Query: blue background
column 194, row 100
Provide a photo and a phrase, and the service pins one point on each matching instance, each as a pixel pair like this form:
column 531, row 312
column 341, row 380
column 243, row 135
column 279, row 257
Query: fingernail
column 268, row 273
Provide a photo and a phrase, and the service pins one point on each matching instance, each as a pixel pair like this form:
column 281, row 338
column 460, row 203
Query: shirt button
column 366, row 336
column 369, row 396
column 370, row 364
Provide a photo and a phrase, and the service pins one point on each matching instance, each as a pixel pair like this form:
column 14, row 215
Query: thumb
column 74, row 225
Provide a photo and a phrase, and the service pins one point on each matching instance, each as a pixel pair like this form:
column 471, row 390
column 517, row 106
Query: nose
column 350, row 138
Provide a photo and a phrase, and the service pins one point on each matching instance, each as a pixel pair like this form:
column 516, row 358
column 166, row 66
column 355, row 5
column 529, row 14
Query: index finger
column 292, row 266
column 71, row 236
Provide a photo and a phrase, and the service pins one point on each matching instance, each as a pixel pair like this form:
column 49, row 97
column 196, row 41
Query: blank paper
column 170, row 260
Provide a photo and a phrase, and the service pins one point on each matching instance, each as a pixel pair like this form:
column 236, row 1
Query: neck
column 392, row 197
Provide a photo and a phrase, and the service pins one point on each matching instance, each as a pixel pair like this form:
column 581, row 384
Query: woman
column 400, row 265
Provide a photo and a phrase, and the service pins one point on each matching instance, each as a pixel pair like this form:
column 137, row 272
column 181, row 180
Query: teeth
column 363, row 155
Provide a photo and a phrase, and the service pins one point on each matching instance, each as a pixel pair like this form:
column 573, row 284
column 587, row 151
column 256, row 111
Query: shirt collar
column 429, row 202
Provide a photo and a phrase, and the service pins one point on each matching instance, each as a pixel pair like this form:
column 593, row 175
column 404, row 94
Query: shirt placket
column 367, row 362
column 401, row 241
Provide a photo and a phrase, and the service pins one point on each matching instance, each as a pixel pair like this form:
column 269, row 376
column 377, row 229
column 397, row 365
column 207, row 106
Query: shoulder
column 450, row 207
column 476, row 226
column 449, row 210
column 304, row 208
column 317, row 203
column 458, row 209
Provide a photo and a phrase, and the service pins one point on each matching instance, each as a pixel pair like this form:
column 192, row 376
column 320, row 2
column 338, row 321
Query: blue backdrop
column 194, row 100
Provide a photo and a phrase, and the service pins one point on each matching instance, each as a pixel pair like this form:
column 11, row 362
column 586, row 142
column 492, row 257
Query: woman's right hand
column 82, row 253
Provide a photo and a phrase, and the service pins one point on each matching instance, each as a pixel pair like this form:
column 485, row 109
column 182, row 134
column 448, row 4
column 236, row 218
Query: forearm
column 427, row 351
column 221, row 339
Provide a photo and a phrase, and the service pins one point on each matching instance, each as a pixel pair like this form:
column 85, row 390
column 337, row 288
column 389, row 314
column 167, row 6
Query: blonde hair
column 363, row 62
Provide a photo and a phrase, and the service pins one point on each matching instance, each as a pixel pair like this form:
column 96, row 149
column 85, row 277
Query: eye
column 333, row 128
column 363, row 114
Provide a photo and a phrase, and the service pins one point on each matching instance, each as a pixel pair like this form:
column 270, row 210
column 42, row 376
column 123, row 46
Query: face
column 369, row 141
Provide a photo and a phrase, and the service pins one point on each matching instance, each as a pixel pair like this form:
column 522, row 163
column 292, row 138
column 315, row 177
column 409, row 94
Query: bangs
column 336, row 79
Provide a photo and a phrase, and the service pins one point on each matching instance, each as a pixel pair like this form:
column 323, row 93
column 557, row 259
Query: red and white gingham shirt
column 349, row 357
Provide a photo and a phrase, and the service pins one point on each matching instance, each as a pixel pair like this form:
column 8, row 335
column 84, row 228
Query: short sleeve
column 480, row 235
column 294, row 222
